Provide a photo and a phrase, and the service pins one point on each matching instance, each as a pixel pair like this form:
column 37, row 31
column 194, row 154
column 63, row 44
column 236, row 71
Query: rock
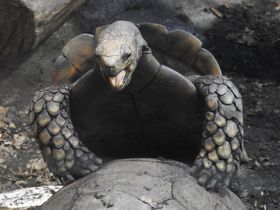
column 26, row 197
column 3, row 112
column 19, row 140
column 28, row 23
column 37, row 164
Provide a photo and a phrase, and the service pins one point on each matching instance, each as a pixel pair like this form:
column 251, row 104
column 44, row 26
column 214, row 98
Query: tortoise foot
column 216, row 177
column 222, row 137
column 65, row 153
column 85, row 162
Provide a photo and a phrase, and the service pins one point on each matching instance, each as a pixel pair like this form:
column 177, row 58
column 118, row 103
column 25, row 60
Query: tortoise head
column 118, row 49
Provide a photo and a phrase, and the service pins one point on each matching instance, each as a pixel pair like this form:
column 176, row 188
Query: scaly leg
column 64, row 152
column 218, row 160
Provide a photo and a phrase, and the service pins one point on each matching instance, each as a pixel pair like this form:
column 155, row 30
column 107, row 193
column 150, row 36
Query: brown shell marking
column 182, row 46
column 77, row 59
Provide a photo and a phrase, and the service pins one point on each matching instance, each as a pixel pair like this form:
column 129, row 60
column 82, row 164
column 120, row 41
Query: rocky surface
column 27, row 197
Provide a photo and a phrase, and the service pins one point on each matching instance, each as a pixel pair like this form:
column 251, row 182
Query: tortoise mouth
column 121, row 80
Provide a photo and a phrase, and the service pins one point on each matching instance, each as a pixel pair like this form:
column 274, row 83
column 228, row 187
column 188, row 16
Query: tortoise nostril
column 110, row 72
column 97, row 58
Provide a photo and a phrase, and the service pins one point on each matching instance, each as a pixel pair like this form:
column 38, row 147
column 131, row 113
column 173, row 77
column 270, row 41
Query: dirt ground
column 245, row 40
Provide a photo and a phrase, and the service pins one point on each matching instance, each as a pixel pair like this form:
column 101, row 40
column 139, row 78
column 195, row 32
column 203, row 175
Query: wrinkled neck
column 144, row 74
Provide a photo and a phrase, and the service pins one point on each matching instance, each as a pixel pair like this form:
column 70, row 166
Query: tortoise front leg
column 65, row 153
column 222, row 146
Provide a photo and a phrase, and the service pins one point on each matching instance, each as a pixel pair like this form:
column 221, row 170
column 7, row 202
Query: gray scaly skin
column 62, row 149
column 119, row 47
column 222, row 138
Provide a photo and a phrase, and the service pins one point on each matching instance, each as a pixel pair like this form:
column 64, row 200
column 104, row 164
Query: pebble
column 12, row 126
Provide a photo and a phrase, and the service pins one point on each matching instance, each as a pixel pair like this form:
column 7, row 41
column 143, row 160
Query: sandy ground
column 246, row 41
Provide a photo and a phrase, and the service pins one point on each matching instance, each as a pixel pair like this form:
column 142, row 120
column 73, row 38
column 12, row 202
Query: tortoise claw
column 85, row 163
column 202, row 180
column 212, row 184
column 212, row 179
column 194, row 170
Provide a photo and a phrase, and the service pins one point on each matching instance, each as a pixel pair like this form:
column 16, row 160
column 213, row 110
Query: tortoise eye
column 126, row 56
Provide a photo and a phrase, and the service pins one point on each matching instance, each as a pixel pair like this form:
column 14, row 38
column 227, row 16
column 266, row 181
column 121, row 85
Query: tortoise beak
column 116, row 77
column 117, row 80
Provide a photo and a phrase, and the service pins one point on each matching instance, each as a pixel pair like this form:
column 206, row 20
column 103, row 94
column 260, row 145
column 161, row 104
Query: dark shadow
column 16, row 35
column 247, row 40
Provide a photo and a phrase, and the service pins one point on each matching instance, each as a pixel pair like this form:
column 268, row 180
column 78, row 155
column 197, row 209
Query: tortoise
column 111, row 94
column 140, row 184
